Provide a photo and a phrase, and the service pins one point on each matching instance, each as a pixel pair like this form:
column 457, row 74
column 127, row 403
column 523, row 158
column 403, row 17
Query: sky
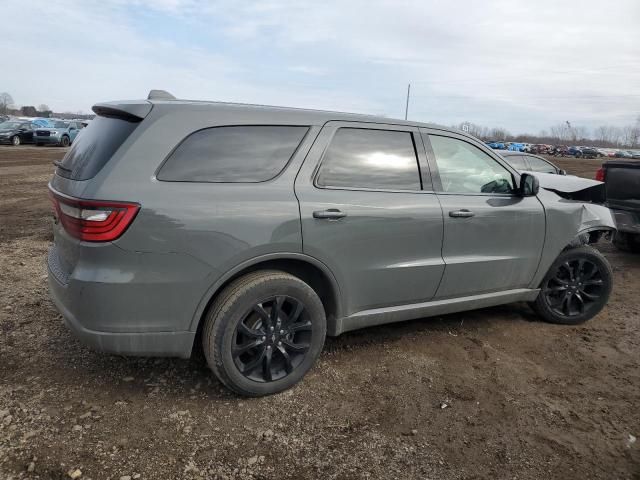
column 518, row 64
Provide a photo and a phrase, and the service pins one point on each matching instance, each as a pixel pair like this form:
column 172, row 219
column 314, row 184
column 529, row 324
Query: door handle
column 330, row 214
column 463, row 213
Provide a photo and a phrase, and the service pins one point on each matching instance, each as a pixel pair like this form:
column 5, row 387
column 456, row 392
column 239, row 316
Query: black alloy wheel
column 272, row 339
column 575, row 288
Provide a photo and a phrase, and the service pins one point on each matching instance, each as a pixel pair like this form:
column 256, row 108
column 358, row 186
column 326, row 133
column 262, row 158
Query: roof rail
column 160, row 95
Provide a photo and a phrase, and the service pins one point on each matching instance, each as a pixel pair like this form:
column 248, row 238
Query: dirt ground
column 493, row 393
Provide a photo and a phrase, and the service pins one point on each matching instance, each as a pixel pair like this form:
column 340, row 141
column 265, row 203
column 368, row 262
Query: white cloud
column 520, row 64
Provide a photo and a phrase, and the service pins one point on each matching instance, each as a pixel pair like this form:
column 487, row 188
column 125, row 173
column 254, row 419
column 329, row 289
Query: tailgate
column 623, row 185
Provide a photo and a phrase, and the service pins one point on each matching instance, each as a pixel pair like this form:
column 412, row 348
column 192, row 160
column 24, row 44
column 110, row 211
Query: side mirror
column 529, row 185
column 562, row 172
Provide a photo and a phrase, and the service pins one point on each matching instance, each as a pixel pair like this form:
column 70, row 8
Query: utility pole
column 406, row 108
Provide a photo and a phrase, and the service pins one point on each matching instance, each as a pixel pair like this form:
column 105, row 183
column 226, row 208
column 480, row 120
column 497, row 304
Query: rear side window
column 376, row 159
column 233, row 154
column 94, row 147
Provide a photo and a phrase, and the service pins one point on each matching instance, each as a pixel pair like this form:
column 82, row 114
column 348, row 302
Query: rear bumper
column 109, row 310
column 151, row 344
column 627, row 221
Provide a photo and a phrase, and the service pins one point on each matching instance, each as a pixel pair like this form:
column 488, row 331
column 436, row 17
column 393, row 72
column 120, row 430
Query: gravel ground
column 492, row 393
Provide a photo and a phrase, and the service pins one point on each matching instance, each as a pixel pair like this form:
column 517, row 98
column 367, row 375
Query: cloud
column 518, row 64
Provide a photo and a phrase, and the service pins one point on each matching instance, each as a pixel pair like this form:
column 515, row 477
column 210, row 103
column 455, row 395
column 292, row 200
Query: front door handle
column 463, row 213
column 330, row 214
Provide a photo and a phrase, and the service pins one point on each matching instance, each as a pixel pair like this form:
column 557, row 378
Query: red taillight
column 600, row 174
column 93, row 220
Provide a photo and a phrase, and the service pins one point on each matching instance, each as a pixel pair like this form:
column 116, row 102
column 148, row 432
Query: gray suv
column 253, row 232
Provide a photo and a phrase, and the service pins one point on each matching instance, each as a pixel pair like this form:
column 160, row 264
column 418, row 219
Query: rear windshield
column 94, row 146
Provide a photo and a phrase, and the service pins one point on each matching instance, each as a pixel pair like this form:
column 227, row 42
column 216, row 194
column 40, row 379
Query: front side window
column 518, row 162
column 464, row 168
column 372, row 159
column 233, row 154
column 538, row 165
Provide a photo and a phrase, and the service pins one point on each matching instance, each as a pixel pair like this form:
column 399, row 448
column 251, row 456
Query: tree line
column 8, row 107
column 564, row 134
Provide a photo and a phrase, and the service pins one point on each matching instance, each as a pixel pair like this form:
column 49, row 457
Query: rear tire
column 264, row 332
column 65, row 141
column 576, row 288
column 627, row 242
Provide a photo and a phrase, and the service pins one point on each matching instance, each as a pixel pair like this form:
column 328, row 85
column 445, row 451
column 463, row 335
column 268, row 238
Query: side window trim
column 435, row 174
column 334, row 126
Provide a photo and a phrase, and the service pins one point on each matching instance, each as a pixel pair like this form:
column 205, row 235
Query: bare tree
column 630, row 135
column 6, row 101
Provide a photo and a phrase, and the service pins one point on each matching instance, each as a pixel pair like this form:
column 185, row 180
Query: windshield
column 60, row 124
column 8, row 125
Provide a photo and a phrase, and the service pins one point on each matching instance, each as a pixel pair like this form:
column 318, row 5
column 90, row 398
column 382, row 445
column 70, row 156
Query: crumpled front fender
column 567, row 220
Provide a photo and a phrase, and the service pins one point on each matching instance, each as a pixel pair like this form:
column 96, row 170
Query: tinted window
column 464, row 168
column 362, row 158
column 539, row 165
column 233, row 154
column 93, row 149
column 517, row 161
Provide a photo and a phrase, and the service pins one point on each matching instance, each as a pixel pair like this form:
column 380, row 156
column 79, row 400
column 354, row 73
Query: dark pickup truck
column 622, row 190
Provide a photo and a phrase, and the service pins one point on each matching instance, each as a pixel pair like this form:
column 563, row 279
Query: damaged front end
column 575, row 215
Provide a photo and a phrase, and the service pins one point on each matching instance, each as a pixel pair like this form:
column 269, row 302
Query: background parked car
column 525, row 162
column 623, row 154
column 16, row 132
column 60, row 133
column 495, row 145
column 590, row 152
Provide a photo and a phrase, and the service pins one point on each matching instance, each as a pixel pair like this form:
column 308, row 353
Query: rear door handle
column 464, row 213
column 330, row 214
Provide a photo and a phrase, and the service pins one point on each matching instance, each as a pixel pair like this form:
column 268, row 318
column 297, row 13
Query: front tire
column 65, row 141
column 576, row 288
column 264, row 332
column 15, row 140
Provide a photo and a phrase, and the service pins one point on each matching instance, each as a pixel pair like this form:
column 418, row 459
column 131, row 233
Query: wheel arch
column 310, row 270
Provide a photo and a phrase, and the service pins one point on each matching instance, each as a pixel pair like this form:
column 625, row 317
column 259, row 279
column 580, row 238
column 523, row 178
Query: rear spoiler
column 131, row 111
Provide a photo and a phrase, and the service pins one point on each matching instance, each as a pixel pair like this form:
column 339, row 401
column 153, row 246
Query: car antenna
column 160, row 95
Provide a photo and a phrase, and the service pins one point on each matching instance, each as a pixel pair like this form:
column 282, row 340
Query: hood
column 572, row 187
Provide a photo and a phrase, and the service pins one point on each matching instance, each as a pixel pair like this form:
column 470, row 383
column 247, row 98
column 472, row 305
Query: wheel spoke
column 287, row 359
column 561, row 288
column 245, row 347
column 565, row 304
column 593, row 282
column 299, row 327
column 570, row 270
column 276, row 310
column 580, row 301
column 592, row 272
column 262, row 313
column 267, row 364
column 249, row 332
column 251, row 366
column 296, row 347
column 589, row 296
column 299, row 308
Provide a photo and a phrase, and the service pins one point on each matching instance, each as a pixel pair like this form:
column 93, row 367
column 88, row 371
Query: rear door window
column 371, row 159
column 233, row 154
column 93, row 149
